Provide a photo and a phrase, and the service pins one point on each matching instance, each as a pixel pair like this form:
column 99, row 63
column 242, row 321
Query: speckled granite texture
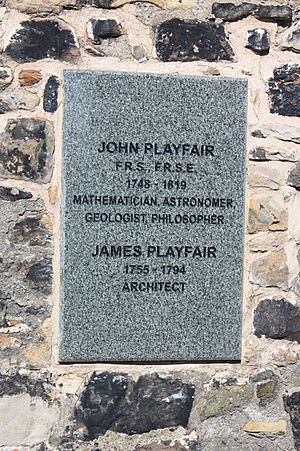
column 181, row 298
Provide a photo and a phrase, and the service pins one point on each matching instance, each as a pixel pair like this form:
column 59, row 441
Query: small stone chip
column 5, row 76
column 50, row 103
column 39, row 39
column 165, row 4
column 270, row 13
column 26, row 150
column 179, row 40
column 39, row 276
column 231, row 12
column 265, row 391
column 139, row 53
column 280, row 131
column 258, row 426
column 93, row 51
column 281, row 14
column 284, row 90
column 29, row 77
column 103, row 29
column 13, row 194
column 294, row 177
column 258, row 40
column 168, row 445
column 267, row 212
column 41, row 7
column 289, row 38
column 270, row 271
column 272, row 152
column 292, row 406
column 277, row 319
column 18, row 99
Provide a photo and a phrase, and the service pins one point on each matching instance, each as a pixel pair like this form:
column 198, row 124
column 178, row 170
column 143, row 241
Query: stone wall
column 252, row 405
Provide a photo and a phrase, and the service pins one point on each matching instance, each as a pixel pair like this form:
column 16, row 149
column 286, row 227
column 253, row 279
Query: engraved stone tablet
column 152, row 217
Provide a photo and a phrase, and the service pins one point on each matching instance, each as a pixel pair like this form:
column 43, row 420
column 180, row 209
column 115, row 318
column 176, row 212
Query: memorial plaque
column 152, row 217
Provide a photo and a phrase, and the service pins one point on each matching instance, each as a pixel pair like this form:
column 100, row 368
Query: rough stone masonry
column 252, row 405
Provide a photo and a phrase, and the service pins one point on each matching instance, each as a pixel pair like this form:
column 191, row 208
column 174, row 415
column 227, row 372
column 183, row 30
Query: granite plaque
column 152, row 217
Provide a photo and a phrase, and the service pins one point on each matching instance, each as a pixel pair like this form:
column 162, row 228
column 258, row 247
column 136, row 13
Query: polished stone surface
column 152, row 217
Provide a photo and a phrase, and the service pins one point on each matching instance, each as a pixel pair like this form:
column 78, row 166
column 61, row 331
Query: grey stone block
column 152, row 270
